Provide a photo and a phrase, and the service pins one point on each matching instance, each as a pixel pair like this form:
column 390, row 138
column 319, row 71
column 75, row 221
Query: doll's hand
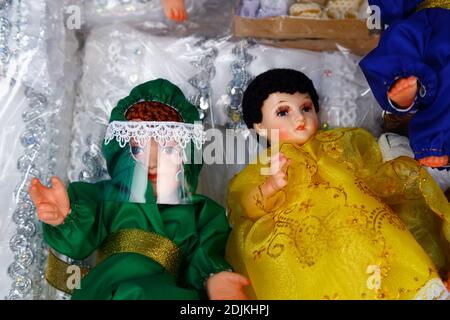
column 278, row 177
column 434, row 162
column 52, row 204
column 227, row 285
column 403, row 92
column 174, row 10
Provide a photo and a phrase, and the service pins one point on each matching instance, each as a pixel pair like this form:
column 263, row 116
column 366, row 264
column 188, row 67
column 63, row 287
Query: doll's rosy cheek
column 283, row 133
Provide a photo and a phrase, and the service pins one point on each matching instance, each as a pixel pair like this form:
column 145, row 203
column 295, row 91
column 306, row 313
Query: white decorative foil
column 35, row 83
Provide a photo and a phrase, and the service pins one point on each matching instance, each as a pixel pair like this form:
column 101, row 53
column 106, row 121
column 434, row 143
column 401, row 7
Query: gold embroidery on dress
column 336, row 219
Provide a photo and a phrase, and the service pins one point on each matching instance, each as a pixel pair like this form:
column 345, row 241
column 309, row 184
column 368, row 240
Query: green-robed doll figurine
column 154, row 237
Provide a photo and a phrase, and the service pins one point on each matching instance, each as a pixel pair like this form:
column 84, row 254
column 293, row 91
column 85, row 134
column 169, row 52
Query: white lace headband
column 161, row 132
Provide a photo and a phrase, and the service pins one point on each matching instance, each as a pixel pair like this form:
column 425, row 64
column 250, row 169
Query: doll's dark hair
column 272, row 81
column 152, row 111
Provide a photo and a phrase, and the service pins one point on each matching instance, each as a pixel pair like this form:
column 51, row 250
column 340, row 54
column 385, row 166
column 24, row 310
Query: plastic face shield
column 159, row 153
column 164, row 168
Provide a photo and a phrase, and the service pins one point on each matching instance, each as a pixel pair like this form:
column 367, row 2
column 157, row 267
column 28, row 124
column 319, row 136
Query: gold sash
column 149, row 244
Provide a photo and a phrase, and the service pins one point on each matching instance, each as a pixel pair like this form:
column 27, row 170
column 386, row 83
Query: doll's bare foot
column 434, row 162
column 175, row 10
column 403, row 92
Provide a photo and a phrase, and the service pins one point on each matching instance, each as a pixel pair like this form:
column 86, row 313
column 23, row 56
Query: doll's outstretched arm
column 71, row 224
column 175, row 10
column 52, row 204
column 394, row 10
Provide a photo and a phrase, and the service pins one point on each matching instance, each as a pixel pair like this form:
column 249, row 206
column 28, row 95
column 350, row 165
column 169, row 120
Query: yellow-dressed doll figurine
column 327, row 222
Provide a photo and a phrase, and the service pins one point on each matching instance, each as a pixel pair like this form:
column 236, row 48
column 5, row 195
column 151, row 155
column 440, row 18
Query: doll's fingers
column 395, row 89
column 281, row 155
column 283, row 158
column 175, row 14
column 280, row 166
column 48, row 217
column 46, row 206
column 54, row 222
column 36, row 195
column 274, row 157
column 278, row 159
column 286, row 165
column 37, row 183
column 240, row 279
column 58, row 185
column 59, row 191
column 280, row 182
column 171, row 14
column 49, row 214
column 274, row 167
column 180, row 16
column 279, row 175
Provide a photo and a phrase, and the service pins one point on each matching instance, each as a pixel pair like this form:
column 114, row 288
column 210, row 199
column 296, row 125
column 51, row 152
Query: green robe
column 199, row 229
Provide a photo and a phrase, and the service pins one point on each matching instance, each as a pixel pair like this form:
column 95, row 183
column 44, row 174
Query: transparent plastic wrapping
column 130, row 57
column 345, row 97
column 205, row 17
column 38, row 68
column 338, row 23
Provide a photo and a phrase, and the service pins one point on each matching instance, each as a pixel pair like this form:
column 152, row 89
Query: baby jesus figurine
column 154, row 237
column 409, row 71
column 330, row 220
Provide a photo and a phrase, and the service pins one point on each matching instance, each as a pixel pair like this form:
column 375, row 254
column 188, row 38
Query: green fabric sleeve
column 83, row 230
column 208, row 257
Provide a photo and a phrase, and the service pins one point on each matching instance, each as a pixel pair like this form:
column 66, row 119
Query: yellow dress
column 331, row 233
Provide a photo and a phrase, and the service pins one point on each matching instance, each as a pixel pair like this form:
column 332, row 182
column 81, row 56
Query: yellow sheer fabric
column 331, row 232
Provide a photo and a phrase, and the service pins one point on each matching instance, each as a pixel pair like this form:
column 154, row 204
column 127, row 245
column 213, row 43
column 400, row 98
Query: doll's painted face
column 293, row 115
column 164, row 166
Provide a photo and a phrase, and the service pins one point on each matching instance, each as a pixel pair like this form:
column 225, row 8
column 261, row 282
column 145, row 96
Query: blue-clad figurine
column 409, row 71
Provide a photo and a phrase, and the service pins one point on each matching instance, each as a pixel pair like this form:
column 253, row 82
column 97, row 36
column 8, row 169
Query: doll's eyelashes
column 307, row 107
column 282, row 111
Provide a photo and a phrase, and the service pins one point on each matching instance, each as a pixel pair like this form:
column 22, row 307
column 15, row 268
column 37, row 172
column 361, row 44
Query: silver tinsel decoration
column 235, row 90
column 39, row 147
column 93, row 162
column 130, row 5
column 202, row 80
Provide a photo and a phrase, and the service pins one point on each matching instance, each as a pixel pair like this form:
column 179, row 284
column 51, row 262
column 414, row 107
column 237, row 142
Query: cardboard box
column 311, row 34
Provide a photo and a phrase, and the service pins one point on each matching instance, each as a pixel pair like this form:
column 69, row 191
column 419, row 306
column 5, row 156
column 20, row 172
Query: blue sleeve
column 393, row 10
column 399, row 54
